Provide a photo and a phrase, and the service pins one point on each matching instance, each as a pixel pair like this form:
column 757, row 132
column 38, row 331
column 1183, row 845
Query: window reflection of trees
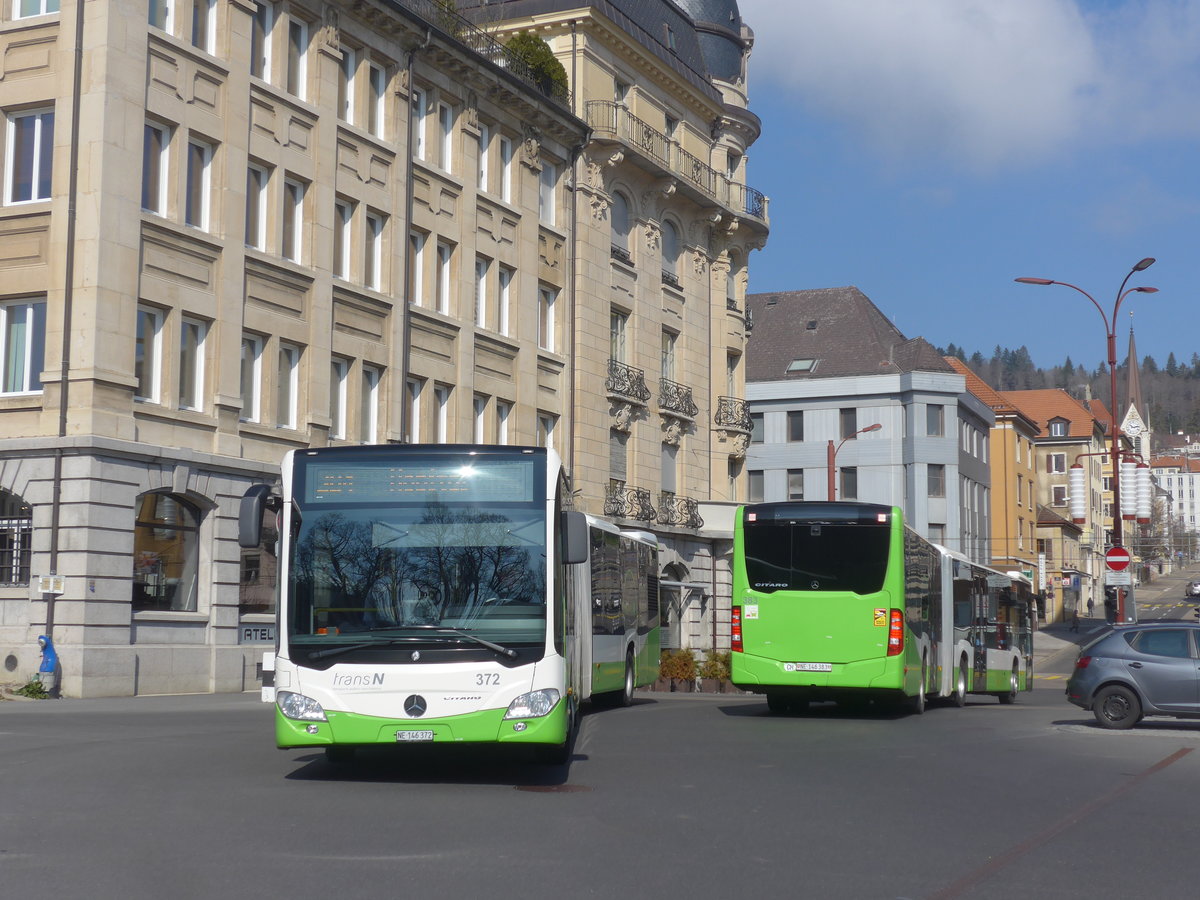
column 463, row 568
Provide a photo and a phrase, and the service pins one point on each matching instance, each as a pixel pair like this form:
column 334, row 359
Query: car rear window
column 1171, row 642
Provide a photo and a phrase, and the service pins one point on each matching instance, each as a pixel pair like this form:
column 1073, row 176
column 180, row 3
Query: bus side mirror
column 575, row 538
column 250, row 514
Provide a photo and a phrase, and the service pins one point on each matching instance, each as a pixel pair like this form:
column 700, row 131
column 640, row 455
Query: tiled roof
column 1054, row 403
column 1183, row 463
column 989, row 395
column 1049, row 518
column 840, row 329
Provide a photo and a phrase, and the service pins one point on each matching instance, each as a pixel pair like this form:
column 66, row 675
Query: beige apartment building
column 231, row 228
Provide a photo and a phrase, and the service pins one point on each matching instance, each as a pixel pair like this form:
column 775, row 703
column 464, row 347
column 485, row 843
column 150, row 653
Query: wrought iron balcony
column 676, row 398
column 613, row 121
column 673, row 510
column 626, row 382
column 732, row 414
column 621, row 502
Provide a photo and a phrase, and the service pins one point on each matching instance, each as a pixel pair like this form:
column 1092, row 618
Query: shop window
column 165, row 554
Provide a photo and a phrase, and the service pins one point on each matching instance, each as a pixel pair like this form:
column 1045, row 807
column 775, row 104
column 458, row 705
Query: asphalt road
column 692, row 796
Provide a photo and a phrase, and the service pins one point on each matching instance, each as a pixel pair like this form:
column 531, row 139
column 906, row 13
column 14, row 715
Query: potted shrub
column 678, row 667
column 714, row 671
column 544, row 66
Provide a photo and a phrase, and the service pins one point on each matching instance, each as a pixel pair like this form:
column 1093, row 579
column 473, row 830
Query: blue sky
column 930, row 151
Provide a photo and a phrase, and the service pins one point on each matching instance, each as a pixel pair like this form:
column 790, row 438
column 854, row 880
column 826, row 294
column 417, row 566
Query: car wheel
column 1116, row 706
column 1010, row 696
column 960, row 684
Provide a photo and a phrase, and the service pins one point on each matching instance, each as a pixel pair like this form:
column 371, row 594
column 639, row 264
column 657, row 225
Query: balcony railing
column 609, row 119
column 732, row 414
column 676, row 398
column 626, row 382
column 621, row 502
column 673, row 510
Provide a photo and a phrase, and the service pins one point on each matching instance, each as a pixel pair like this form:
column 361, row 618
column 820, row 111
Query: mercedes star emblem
column 415, row 705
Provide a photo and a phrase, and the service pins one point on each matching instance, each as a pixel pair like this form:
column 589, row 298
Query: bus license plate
column 405, row 736
column 808, row 667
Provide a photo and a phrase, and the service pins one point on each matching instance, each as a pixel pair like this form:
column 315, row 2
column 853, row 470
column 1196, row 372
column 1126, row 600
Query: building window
column 441, row 422
column 848, row 421
column 345, row 86
column 373, row 253
column 620, row 227
column 260, row 40
column 547, row 190
column 479, row 411
column 293, row 219
column 1058, row 495
column 257, row 179
column 506, row 169
column 445, row 136
column 795, row 425
column 199, row 169
column 339, row 377
column 412, row 396
column 936, row 480
column 343, row 218
column 377, row 101
column 192, row 333
column 485, row 138
column 547, row 300
column 155, row 145
column 160, row 14
column 937, row 532
column 795, row 484
column 617, row 323
column 849, row 483
column 27, row 9
column 368, row 411
column 482, row 265
column 420, row 109
column 416, row 268
column 30, row 156
column 251, row 378
column 756, row 428
column 667, row 355
column 1058, row 428
column 503, row 409
column 444, row 277
column 754, row 485
column 16, row 540
column 1057, row 463
column 165, row 554
column 147, row 354
column 23, row 334
column 670, row 253
column 545, row 429
column 935, row 419
column 503, row 298
column 204, row 24
column 297, row 60
column 668, row 468
column 287, row 387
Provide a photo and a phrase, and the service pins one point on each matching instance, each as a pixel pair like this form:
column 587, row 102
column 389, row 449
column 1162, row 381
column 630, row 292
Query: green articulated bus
column 842, row 601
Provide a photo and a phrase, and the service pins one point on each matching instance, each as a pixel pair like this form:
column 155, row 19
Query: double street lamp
column 831, row 456
column 1110, row 326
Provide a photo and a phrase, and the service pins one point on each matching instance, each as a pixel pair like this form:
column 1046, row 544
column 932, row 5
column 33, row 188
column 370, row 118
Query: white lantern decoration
column 1128, row 490
column 1077, row 486
column 1145, row 494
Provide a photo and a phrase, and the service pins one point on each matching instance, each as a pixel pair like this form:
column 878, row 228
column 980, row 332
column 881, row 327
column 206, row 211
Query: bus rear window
column 782, row 556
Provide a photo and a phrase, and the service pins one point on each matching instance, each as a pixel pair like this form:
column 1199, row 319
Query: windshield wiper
column 440, row 629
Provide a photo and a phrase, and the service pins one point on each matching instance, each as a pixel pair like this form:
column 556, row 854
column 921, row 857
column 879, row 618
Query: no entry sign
column 1117, row 559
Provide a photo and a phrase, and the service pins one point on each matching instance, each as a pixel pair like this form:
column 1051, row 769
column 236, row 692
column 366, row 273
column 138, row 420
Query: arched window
column 670, row 252
column 620, row 226
column 16, row 540
column 165, row 553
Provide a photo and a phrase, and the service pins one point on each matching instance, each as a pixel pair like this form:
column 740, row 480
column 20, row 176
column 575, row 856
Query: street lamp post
column 832, row 452
column 1110, row 332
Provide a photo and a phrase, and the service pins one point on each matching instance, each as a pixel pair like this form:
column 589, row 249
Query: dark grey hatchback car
column 1150, row 669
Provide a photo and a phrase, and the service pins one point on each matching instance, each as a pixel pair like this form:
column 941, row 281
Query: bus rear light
column 735, row 630
column 895, row 633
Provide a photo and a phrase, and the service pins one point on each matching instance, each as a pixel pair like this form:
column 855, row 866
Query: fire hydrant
column 48, row 670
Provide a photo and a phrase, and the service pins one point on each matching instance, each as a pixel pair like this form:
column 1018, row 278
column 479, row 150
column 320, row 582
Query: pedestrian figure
column 1091, row 606
column 1074, row 620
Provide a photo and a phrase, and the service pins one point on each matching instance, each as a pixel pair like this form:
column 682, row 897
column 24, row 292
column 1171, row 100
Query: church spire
column 1135, row 382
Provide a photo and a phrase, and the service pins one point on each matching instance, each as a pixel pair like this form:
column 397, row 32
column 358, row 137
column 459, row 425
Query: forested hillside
column 1171, row 390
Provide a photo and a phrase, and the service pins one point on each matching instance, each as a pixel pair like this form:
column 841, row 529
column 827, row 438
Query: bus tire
column 917, row 703
column 1010, row 696
column 630, row 679
column 960, row 684
column 559, row 754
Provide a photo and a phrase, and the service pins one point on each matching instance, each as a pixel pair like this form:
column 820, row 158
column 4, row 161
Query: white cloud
column 985, row 84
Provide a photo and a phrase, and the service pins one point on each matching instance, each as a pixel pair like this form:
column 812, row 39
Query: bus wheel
column 559, row 754
column 627, row 687
column 960, row 684
column 917, row 704
column 339, row 754
column 1010, row 696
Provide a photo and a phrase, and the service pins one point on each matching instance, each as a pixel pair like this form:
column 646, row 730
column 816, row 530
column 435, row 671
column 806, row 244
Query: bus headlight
column 533, row 705
column 297, row 706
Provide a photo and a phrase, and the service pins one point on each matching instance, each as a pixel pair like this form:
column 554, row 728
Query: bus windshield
column 809, row 556
column 410, row 551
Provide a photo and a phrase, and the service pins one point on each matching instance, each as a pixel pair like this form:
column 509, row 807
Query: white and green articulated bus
column 431, row 594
